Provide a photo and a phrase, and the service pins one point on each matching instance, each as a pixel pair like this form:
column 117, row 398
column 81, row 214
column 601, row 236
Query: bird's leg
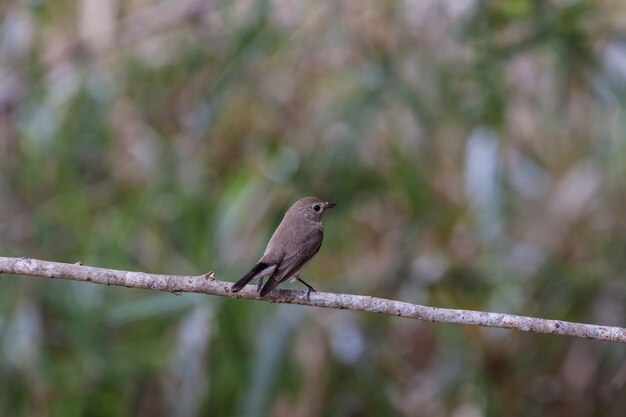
column 308, row 293
column 259, row 284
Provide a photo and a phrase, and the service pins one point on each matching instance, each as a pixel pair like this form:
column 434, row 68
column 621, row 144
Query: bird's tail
column 253, row 273
column 269, row 286
column 273, row 282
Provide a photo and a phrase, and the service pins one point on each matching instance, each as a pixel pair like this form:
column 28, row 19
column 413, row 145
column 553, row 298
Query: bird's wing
column 292, row 262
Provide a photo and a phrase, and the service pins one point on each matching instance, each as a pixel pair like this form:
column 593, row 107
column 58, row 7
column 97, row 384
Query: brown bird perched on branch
column 294, row 243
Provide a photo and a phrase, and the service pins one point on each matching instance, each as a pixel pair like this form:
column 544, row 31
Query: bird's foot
column 308, row 293
column 311, row 289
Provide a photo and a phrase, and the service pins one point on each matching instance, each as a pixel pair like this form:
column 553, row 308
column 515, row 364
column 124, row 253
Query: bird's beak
column 330, row 205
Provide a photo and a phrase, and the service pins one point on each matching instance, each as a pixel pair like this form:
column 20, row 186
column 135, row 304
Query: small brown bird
column 294, row 243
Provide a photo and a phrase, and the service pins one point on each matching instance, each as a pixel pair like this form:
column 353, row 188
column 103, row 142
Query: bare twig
column 207, row 284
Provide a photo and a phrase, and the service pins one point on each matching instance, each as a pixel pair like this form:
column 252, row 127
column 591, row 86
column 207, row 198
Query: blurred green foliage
column 477, row 150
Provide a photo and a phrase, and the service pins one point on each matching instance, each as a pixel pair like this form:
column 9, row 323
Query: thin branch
column 207, row 284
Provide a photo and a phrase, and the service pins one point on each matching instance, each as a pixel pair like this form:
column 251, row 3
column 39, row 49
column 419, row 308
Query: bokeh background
column 477, row 150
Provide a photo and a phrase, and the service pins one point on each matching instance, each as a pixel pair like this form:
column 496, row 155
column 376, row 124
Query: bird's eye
column 316, row 207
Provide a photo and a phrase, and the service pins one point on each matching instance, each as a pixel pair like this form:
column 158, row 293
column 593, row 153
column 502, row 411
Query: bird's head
column 311, row 208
